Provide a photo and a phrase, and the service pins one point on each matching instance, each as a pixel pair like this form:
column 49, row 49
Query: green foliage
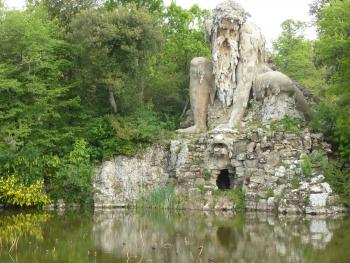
column 292, row 125
column 235, row 195
column 82, row 81
column 269, row 193
column 14, row 193
column 168, row 81
column 72, row 180
column 295, row 182
column 287, row 124
column 340, row 182
column 161, row 198
column 151, row 5
column 293, row 55
column 306, row 166
column 113, row 62
column 62, row 10
column 320, row 159
column 125, row 135
column 325, row 121
column 332, row 52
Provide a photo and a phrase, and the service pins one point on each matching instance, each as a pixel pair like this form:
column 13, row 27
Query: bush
column 292, row 125
column 306, row 166
column 72, row 181
column 13, row 193
column 339, row 181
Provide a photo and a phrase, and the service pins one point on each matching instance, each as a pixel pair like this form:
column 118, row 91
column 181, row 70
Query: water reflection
column 151, row 236
column 159, row 237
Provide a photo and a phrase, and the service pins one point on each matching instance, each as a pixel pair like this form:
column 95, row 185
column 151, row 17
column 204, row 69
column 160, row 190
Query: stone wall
column 265, row 163
column 121, row 181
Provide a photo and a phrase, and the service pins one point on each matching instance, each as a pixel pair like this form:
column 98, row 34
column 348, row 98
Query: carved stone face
column 225, row 56
column 220, row 145
column 228, row 30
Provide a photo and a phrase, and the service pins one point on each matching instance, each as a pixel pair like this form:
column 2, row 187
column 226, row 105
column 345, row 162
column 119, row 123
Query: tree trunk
column 113, row 102
column 185, row 108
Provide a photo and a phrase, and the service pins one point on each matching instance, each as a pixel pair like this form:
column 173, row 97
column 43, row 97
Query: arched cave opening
column 225, row 179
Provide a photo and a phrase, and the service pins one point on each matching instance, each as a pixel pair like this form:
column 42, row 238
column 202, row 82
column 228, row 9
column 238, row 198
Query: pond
column 162, row 236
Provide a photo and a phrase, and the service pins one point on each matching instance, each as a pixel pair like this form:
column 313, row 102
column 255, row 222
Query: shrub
column 339, row 181
column 306, row 166
column 292, row 125
column 72, row 181
column 13, row 193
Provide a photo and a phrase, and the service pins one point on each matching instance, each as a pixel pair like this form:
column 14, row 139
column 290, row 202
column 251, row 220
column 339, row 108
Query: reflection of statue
column 238, row 49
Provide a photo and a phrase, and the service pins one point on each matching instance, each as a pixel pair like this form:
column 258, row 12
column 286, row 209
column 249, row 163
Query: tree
column 293, row 55
column 115, row 46
column 36, row 98
column 63, row 10
column 316, row 6
column 184, row 40
column 333, row 52
column 151, row 5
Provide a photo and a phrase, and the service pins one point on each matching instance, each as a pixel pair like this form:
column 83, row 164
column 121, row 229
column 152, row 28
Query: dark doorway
column 225, row 180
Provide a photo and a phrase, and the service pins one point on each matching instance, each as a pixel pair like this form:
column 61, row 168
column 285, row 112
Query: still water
column 158, row 236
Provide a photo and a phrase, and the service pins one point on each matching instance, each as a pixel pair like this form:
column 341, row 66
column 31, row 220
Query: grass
column 207, row 175
column 161, row 198
column 235, row 195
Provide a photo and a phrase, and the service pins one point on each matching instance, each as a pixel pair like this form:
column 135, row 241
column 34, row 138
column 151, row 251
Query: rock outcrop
column 123, row 180
column 266, row 164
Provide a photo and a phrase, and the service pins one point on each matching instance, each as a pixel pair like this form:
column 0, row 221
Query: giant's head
column 223, row 32
column 225, row 20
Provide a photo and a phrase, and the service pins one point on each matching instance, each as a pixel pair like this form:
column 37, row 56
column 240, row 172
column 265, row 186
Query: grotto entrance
column 225, row 180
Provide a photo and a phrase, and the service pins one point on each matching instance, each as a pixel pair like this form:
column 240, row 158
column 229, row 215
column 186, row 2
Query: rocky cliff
column 275, row 169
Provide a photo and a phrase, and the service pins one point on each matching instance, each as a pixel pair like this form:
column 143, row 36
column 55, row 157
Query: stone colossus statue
column 238, row 66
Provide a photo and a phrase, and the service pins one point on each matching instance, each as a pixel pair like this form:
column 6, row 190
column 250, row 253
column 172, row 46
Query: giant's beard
column 225, row 61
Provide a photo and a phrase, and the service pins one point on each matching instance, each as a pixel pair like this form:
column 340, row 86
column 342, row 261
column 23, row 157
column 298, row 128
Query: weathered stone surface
column 201, row 82
column 318, row 200
column 123, row 180
column 262, row 205
column 280, row 171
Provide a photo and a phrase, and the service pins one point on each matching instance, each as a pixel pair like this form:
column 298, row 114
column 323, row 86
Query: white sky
column 267, row 14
